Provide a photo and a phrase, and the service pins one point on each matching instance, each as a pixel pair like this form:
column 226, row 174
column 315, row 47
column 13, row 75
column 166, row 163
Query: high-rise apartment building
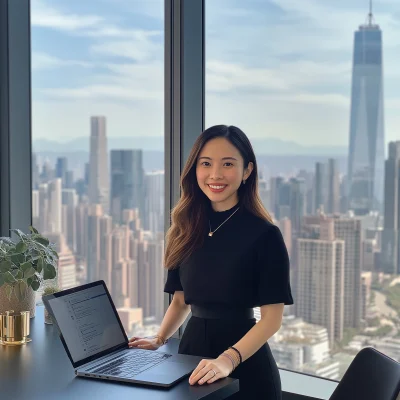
column 320, row 279
column 348, row 229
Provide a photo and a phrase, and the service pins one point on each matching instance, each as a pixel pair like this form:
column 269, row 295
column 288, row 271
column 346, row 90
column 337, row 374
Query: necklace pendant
column 210, row 233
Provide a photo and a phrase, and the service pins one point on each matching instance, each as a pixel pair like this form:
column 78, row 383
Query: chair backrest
column 371, row 376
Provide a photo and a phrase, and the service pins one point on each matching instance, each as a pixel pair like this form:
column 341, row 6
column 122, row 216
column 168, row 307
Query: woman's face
column 220, row 173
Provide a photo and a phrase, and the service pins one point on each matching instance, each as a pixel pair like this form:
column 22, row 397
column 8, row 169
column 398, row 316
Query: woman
column 224, row 257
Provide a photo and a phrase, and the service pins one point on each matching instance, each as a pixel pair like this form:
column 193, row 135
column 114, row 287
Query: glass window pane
column 98, row 147
column 305, row 82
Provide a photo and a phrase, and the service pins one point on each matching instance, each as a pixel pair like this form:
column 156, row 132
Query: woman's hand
column 145, row 343
column 211, row 370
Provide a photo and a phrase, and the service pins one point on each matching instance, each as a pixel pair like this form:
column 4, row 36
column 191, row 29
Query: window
column 98, row 147
column 305, row 81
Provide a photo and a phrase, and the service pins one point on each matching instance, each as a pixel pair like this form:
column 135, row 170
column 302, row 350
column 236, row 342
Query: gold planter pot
column 14, row 328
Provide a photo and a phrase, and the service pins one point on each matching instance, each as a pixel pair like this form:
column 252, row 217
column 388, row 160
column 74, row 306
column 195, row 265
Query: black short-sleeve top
column 244, row 264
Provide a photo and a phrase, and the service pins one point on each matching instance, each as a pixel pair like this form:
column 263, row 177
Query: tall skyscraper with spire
column 99, row 186
column 366, row 148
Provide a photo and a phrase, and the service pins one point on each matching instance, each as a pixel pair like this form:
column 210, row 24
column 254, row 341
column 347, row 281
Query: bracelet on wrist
column 231, row 360
column 238, row 353
column 163, row 340
column 234, row 356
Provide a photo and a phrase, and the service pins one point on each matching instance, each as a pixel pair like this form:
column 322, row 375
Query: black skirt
column 258, row 375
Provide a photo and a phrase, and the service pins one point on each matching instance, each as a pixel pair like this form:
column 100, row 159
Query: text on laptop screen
column 87, row 322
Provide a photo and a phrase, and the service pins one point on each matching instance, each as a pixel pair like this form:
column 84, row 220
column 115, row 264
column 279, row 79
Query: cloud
column 140, row 47
column 43, row 15
column 91, row 25
column 316, row 99
column 41, row 61
column 224, row 77
column 148, row 8
column 125, row 82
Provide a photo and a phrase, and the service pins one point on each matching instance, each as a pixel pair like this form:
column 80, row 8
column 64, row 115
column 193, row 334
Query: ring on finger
column 214, row 372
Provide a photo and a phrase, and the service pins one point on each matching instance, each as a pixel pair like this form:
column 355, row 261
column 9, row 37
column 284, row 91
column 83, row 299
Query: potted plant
column 24, row 264
column 50, row 289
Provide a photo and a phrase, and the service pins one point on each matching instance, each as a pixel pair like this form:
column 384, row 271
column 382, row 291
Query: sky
column 275, row 68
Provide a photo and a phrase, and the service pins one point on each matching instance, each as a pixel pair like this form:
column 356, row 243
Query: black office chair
column 370, row 376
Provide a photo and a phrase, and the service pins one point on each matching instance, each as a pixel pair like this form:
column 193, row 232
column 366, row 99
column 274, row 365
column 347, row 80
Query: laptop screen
column 87, row 322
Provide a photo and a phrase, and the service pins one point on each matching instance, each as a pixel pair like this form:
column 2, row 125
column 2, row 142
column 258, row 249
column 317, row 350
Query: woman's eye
column 229, row 163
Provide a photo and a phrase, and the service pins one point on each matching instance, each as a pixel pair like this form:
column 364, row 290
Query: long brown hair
column 189, row 216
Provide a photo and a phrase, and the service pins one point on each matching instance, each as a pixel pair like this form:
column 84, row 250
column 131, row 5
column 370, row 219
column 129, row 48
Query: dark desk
column 42, row 370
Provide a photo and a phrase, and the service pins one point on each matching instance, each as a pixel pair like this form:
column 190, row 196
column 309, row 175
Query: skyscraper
column 127, row 182
column 62, row 169
column 366, row 148
column 320, row 282
column 153, row 218
column 297, row 203
column 99, row 187
column 69, row 201
column 55, row 206
column 333, row 200
column 320, row 199
column 390, row 238
column 348, row 229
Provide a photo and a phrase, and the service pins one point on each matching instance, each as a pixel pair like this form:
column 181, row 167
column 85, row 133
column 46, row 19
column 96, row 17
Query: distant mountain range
column 267, row 146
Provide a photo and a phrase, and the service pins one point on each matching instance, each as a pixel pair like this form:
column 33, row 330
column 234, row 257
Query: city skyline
column 115, row 67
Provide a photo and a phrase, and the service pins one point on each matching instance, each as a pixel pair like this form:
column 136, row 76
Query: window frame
column 15, row 116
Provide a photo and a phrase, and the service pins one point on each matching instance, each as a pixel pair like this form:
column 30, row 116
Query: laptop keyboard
column 131, row 363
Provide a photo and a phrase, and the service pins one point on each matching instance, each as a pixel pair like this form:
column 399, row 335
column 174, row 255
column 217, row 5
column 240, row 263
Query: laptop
column 97, row 346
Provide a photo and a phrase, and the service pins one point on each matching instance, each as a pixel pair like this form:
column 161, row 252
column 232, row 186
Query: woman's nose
column 216, row 173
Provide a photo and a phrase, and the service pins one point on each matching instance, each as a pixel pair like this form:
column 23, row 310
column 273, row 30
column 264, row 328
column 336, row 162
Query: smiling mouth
column 217, row 188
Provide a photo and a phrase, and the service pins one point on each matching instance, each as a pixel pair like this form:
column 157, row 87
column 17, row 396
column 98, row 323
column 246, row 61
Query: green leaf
column 33, row 230
column 21, row 247
column 14, row 272
column 42, row 240
column 29, row 281
column 9, row 290
column 19, row 274
column 17, row 259
column 25, row 266
column 8, row 277
column 20, row 290
column 40, row 265
column 49, row 272
column 5, row 266
column 35, row 285
column 29, row 273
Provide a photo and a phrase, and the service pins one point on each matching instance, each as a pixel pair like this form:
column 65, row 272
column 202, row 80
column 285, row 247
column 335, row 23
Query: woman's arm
column 175, row 316
column 211, row 370
column 269, row 324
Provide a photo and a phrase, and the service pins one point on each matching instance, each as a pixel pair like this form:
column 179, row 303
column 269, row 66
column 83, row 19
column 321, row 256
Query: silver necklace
column 209, row 224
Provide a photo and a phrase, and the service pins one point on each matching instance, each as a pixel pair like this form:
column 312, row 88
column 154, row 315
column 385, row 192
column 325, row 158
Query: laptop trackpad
column 163, row 374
